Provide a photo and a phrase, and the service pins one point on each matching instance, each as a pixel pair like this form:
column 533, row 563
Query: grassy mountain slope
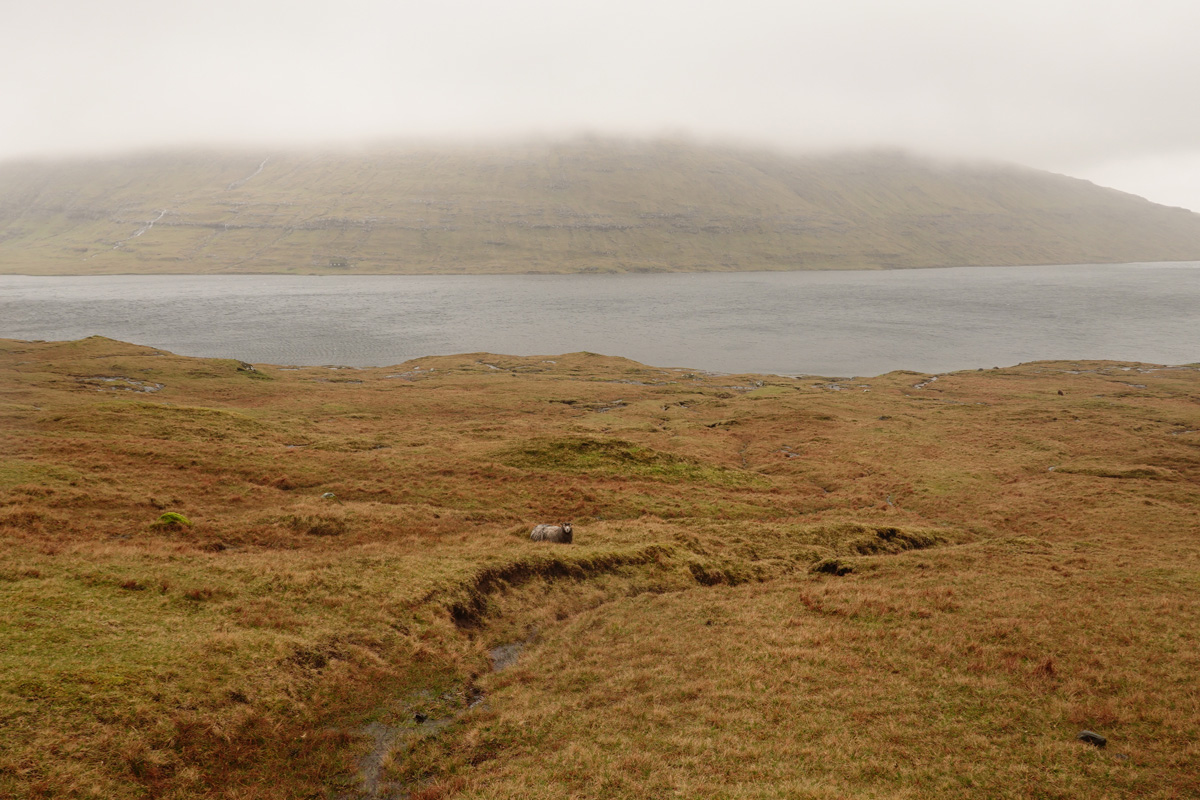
column 779, row 588
column 581, row 206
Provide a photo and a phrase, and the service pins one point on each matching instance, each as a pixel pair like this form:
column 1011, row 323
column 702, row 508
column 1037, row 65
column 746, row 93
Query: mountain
column 587, row 205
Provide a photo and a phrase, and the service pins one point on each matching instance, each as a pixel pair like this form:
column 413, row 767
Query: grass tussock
column 616, row 457
column 792, row 592
column 316, row 524
column 1136, row 472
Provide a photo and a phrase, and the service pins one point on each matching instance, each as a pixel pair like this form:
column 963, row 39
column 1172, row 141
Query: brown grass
column 779, row 591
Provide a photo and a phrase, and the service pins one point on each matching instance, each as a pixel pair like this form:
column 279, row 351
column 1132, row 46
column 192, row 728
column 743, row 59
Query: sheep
column 552, row 533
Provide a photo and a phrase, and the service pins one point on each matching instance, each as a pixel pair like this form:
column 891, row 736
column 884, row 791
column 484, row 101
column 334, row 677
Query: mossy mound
column 173, row 521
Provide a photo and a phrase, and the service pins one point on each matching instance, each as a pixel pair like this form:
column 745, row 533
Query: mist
column 1097, row 91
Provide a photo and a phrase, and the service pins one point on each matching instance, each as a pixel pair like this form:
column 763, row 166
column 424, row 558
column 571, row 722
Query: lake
column 841, row 323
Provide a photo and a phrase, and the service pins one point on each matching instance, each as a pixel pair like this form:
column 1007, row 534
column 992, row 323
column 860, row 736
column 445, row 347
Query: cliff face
column 579, row 206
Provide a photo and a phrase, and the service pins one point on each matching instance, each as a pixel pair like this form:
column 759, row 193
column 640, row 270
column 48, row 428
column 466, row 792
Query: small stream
column 391, row 738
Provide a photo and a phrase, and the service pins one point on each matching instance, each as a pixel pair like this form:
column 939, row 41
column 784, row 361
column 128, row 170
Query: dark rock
column 1092, row 738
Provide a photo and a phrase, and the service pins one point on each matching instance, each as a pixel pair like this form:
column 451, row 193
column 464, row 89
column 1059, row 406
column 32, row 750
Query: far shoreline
column 579, row 273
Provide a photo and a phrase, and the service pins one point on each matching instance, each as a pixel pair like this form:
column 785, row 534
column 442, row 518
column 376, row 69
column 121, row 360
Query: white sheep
column 552, row 533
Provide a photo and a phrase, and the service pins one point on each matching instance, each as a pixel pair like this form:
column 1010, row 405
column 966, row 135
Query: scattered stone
column 119, row 383
column 1092, row 738
column 329, row 496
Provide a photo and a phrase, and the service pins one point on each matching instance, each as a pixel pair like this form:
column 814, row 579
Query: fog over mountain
column 1096, row 91
column 582, row 205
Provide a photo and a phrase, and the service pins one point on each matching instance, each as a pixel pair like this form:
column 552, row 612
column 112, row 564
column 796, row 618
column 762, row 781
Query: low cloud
column 1069, row 85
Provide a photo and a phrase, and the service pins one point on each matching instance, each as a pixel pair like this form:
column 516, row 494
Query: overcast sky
column 1100, row 89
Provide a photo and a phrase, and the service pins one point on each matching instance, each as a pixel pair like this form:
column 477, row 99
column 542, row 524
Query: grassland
column 780, row 587
column 588, row 205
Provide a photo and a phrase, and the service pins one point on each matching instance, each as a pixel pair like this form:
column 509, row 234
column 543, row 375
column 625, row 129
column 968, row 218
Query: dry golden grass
column 964, row 672
column 890, row 587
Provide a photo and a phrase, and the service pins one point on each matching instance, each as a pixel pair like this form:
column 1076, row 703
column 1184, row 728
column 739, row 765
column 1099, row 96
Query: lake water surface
column 844, row 323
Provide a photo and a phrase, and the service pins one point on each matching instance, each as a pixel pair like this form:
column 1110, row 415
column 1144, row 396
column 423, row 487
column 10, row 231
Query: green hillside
column 587, row 205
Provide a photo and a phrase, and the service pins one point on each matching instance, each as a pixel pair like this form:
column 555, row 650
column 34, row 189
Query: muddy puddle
column 426, row 714
column 506, row 655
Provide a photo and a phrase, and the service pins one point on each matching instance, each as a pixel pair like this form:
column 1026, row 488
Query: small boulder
column 1092, row 738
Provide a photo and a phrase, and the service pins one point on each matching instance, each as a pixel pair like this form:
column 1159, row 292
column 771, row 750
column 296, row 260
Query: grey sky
column 1099, row 89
